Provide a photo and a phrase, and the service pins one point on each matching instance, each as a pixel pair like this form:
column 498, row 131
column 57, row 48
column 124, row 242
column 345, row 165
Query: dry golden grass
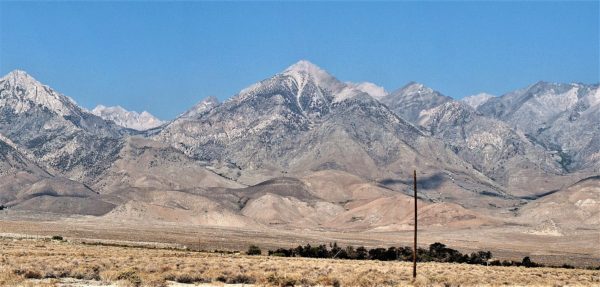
column 24, row 261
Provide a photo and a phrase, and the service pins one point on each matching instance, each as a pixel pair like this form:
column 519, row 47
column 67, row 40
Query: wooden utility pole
column 415, row 242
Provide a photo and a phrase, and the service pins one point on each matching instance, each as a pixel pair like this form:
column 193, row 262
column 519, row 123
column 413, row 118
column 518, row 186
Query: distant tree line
column 437, row 252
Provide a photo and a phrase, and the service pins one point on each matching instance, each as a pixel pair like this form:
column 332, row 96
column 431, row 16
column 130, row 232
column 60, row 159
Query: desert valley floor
column 507, row 242
column 42, row 261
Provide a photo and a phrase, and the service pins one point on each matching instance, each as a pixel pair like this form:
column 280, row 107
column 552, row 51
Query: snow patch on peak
column 304, row 72
column 477, row 100
column 304, row 66
column 128, row 119
column 375, row 91
column 352, row 90
column 20, row 78
column 17, row 75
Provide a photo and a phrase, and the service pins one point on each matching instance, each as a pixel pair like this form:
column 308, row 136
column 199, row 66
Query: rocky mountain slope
column 204, row 105
column 144, row 164
column 525, row 164
column 561, row 117
column 54, row 129
column 26, row 186
column 492, row 147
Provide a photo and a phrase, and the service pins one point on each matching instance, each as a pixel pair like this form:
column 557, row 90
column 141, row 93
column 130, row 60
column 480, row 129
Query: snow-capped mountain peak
column 22, row 92
column 304, row 72
column 21, row 77
column 128, row 119
column 305, row 67
column 307, row 87
column 313, row 87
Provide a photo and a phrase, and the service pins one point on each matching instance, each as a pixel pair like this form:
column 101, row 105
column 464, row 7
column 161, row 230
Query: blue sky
column 165, row 56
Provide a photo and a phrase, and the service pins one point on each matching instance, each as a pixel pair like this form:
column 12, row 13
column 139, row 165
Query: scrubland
column 46, row 262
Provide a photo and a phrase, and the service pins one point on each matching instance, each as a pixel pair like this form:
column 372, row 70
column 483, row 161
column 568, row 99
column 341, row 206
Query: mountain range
column 303, row 149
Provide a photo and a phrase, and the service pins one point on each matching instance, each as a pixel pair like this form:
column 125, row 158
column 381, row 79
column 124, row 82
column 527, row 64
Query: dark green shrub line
column 437, row 252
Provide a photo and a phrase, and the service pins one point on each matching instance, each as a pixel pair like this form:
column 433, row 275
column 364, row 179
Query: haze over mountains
column 306, row 150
